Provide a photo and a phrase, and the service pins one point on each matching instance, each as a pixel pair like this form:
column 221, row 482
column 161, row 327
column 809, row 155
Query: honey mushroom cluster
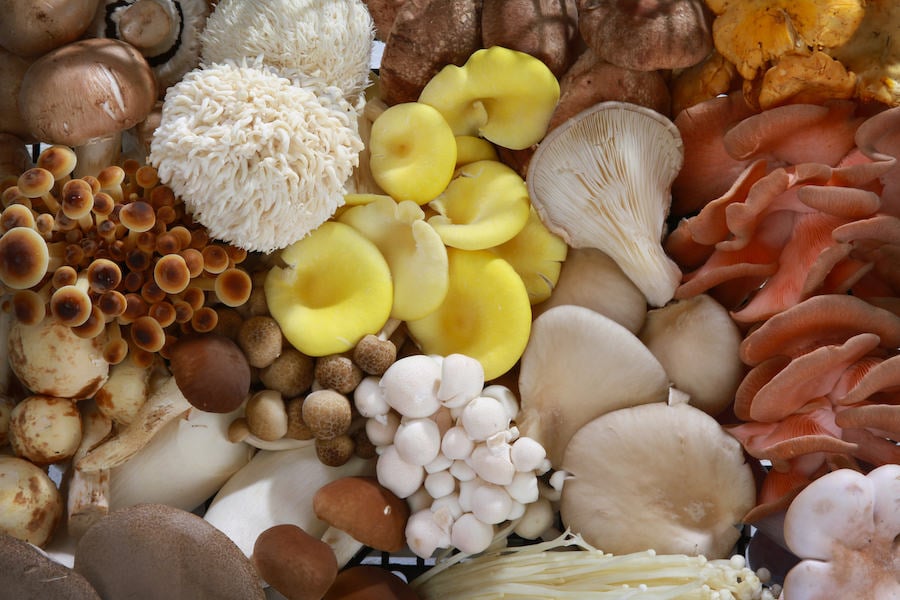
column 114, row 253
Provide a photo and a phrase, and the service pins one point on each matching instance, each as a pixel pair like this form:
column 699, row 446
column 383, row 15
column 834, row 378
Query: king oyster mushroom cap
column 276, row 487
column 578, row 365
column 657, row 476
column 602, row 179
column 50, row 359
column 697, row 342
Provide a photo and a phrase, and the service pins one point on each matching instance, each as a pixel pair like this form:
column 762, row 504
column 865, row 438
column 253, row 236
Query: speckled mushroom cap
column 156, row 551
column 25, row 572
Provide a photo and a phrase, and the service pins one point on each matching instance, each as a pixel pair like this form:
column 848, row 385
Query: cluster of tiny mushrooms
column 632, row 274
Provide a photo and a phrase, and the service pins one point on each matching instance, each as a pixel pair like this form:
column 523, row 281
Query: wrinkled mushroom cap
column 603, row 179
column 660, row 477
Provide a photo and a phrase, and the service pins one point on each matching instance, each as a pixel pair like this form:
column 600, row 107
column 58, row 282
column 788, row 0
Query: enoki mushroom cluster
column 114, row 254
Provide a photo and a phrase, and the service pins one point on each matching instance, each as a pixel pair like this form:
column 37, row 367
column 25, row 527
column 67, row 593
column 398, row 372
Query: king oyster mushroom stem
column 164, row 404
column 88, row 494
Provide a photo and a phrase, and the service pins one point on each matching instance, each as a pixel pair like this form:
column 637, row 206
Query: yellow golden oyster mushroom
column 471, row 148
column 502, row 95
column 415, row 254
column 486, row 314
column 412, row 152
column 537, row 254
column 335, row 288
column 486, row 204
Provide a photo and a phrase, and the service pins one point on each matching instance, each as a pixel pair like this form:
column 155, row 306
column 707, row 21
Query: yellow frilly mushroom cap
column 485, row 205
column 414, row 252
column 412, row 152
column 503, row 95
column 335, row 288
column 486, row 314
column 537, row 254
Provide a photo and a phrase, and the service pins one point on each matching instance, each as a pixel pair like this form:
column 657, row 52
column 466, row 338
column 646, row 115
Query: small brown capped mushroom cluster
column 113, row 255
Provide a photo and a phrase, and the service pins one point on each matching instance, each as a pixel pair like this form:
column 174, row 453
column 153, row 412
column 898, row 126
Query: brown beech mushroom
column 110, row 89
column 291, row 373
column 327, row 413
column 150, row 551
column 32, row 504
column 261, row 340
column 296, row 564
column 672, row 481
column 338, row 372
column 364, row 510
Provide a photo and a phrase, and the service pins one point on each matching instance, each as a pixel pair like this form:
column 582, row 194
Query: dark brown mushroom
column 211, row 371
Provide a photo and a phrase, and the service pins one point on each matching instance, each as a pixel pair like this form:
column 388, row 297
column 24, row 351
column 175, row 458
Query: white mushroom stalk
column 445, row 439
column 603, row 180
column 87, row 497
column 543, row 571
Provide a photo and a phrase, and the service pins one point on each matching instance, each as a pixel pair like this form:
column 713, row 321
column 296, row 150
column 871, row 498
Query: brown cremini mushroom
column 211, row 371
column 296, row 564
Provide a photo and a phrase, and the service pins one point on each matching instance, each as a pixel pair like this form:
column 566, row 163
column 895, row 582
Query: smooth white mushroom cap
column 381, row 430
column 456, row 443
column 394, row 473
column 418, row 441
column 462, row 379
column 461, row 470
column 537, row 518
column 527, row 454
column 410, row 386
column 490, row 503
column 368, row 399
column 524, row 488
column 440, row 484
column 493, row 466
column 440, row 463
column 470, row 534
column 424, row 535
column 505, row 396
column 484, row 416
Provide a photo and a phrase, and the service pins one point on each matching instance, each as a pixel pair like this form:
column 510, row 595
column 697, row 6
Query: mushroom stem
column 238, row 432
column 88, row 494
column 163, row 405
column 97, row 154
column 342, row 543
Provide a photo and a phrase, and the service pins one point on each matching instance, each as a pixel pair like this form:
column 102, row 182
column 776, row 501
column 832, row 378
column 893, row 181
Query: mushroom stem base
column 345, row 547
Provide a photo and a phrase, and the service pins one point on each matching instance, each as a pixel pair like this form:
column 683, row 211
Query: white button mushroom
column 493, row 465
column 424, row 535
column 483, row 417
column 418, row 441
column 448, row 504
column 462, row 471
column 440, row 463
column 410, row 385
column 527, row 454
column 456, row 444
column 537, row 518
column 462, row 378
column 490, row 503
column 524, row 487
column 440, row 484
column 470, row 534
column 381, row 432
column 368, row 398
column 397, row 475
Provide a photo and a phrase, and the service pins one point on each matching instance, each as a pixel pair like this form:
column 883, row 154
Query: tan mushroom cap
column 149, row 551
column 660, row 477
column 33, row 505
column 25, row 258
column 85, row 90
column 366, row 510
column 560, row 384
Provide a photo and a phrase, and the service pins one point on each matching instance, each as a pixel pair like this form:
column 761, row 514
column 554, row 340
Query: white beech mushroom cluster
column 442, row 435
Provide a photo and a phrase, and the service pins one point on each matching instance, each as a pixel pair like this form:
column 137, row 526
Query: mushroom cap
column 486, row 313
column 412, row 152
column 32, row 439
column 646, row 36
column 366, row 510
column 656, row 476
column 329, row 42
column 261, row 340
column 486, row 204
column 253, row 189
column 561, row 385
column 24, row 258
column 335, row 288
column 502, row 95
column 49, row 359
column 26, row 572
column 414, row 251
column 211, row 371
column 109, row 88
column 35, row 28
column 32, row 504
column 293, row 562
column 602, row 179
column 154, row 551
column 363, row 582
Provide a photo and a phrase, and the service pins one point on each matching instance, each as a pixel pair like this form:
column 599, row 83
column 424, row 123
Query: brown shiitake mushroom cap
column 211, row 371
column 150, row 551
column 25, row 572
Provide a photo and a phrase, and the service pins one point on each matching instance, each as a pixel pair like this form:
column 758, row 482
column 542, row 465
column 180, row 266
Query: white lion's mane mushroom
column 48, row 358
column 844, row 526
column 85, row 94
column 259, row 161
column 313, row 41
column 657, row 476
column 603, row 179
column 166, row 32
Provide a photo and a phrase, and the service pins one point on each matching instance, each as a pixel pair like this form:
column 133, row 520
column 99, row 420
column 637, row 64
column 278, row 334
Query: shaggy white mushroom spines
column 258, row 160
